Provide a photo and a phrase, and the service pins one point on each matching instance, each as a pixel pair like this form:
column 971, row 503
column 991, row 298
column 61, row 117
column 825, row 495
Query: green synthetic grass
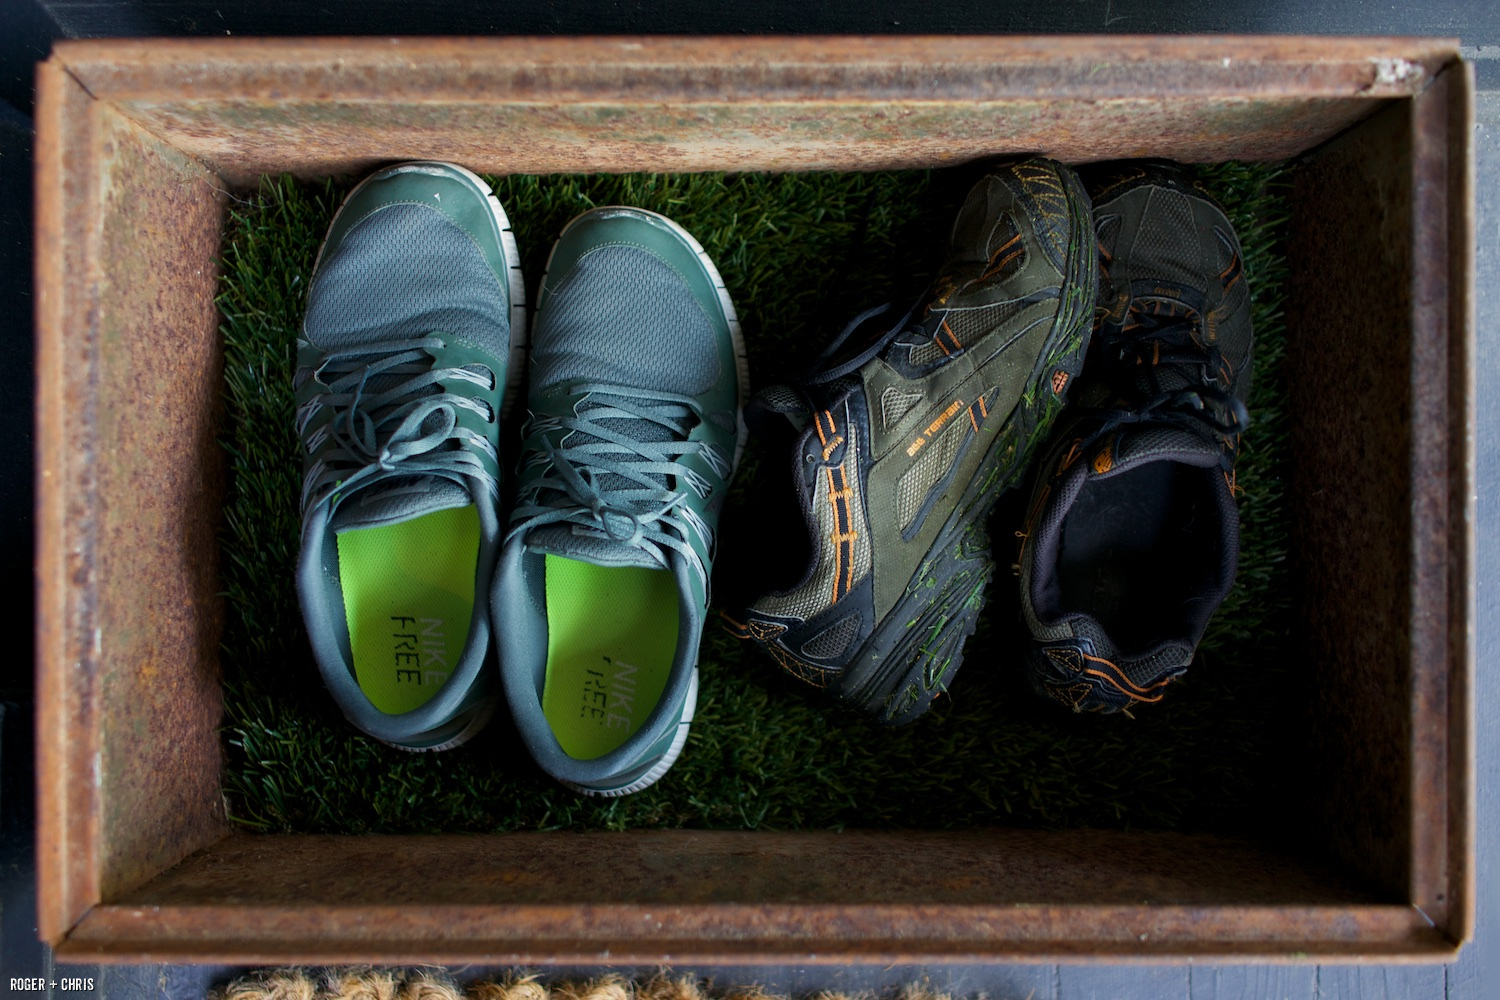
column 800, row 254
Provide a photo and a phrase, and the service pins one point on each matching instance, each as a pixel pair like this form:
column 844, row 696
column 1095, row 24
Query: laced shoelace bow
column 402, row 428
column 616, row 483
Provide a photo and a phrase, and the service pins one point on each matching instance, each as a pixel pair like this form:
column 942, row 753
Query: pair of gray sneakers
column 593, row 594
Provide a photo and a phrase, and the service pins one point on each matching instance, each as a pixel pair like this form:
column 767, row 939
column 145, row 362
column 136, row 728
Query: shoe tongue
column 396, row 500
column 575, row 541
column 1136, row 445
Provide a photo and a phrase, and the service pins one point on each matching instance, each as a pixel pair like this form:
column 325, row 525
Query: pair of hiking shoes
column 596, row 556
column 1122, row 292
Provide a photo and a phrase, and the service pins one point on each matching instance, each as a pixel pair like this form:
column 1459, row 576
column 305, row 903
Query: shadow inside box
column 798, row 251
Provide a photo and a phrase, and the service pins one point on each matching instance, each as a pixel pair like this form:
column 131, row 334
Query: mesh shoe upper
column 402, row 271
column 658, row 337
column 1132, row 534
column 1169, row 256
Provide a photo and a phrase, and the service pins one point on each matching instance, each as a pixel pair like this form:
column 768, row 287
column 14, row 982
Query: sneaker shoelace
column 606, row 472
column 392, row 417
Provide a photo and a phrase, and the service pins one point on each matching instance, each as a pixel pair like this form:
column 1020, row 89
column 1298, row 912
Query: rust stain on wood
column 988, row 867
column 68, row 700
column 1375, row 487
column 245, row 139
column 755, row 70
column 1351, row 242
column 1463, row 504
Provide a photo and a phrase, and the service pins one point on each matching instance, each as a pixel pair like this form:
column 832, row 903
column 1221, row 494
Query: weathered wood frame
column 138, row 142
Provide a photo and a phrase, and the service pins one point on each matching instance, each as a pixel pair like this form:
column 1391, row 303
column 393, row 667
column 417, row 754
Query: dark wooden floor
column 27, row 28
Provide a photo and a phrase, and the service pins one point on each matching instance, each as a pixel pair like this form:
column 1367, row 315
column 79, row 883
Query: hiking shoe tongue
column 1145, row 381
column 574, row 541
column 401, row 499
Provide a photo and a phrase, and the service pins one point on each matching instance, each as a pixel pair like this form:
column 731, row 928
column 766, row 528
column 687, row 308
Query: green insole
column 611, row 639
column 408, row 598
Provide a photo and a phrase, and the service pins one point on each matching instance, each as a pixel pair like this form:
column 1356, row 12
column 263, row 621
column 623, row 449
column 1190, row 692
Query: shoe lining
column 611, row 641
column 1139, row 552
column 408, row 600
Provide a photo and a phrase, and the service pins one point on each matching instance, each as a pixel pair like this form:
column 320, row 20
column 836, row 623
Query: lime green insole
column 611, row 639
column 408, row 598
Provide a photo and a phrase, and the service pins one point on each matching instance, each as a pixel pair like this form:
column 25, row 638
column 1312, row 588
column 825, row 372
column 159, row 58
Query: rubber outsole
column 916, row 650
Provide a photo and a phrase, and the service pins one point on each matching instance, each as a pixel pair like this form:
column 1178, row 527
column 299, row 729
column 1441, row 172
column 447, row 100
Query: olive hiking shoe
column 414, row 313
column 637, row 384
column 1132, row 535
column 902, row 443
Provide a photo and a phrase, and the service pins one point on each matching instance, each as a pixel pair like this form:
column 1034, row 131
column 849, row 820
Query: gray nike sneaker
column 1132, row 537
column 637, row 381
column 903, row 441
column 415, row 317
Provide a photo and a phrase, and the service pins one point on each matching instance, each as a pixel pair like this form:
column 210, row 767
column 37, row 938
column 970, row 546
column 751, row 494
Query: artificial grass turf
column 800, row 254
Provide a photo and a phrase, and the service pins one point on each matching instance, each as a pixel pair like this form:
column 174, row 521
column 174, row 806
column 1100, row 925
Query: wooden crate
column 138, row 143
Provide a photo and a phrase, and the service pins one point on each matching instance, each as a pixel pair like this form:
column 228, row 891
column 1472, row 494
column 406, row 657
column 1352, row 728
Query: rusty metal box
column 138, row 144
